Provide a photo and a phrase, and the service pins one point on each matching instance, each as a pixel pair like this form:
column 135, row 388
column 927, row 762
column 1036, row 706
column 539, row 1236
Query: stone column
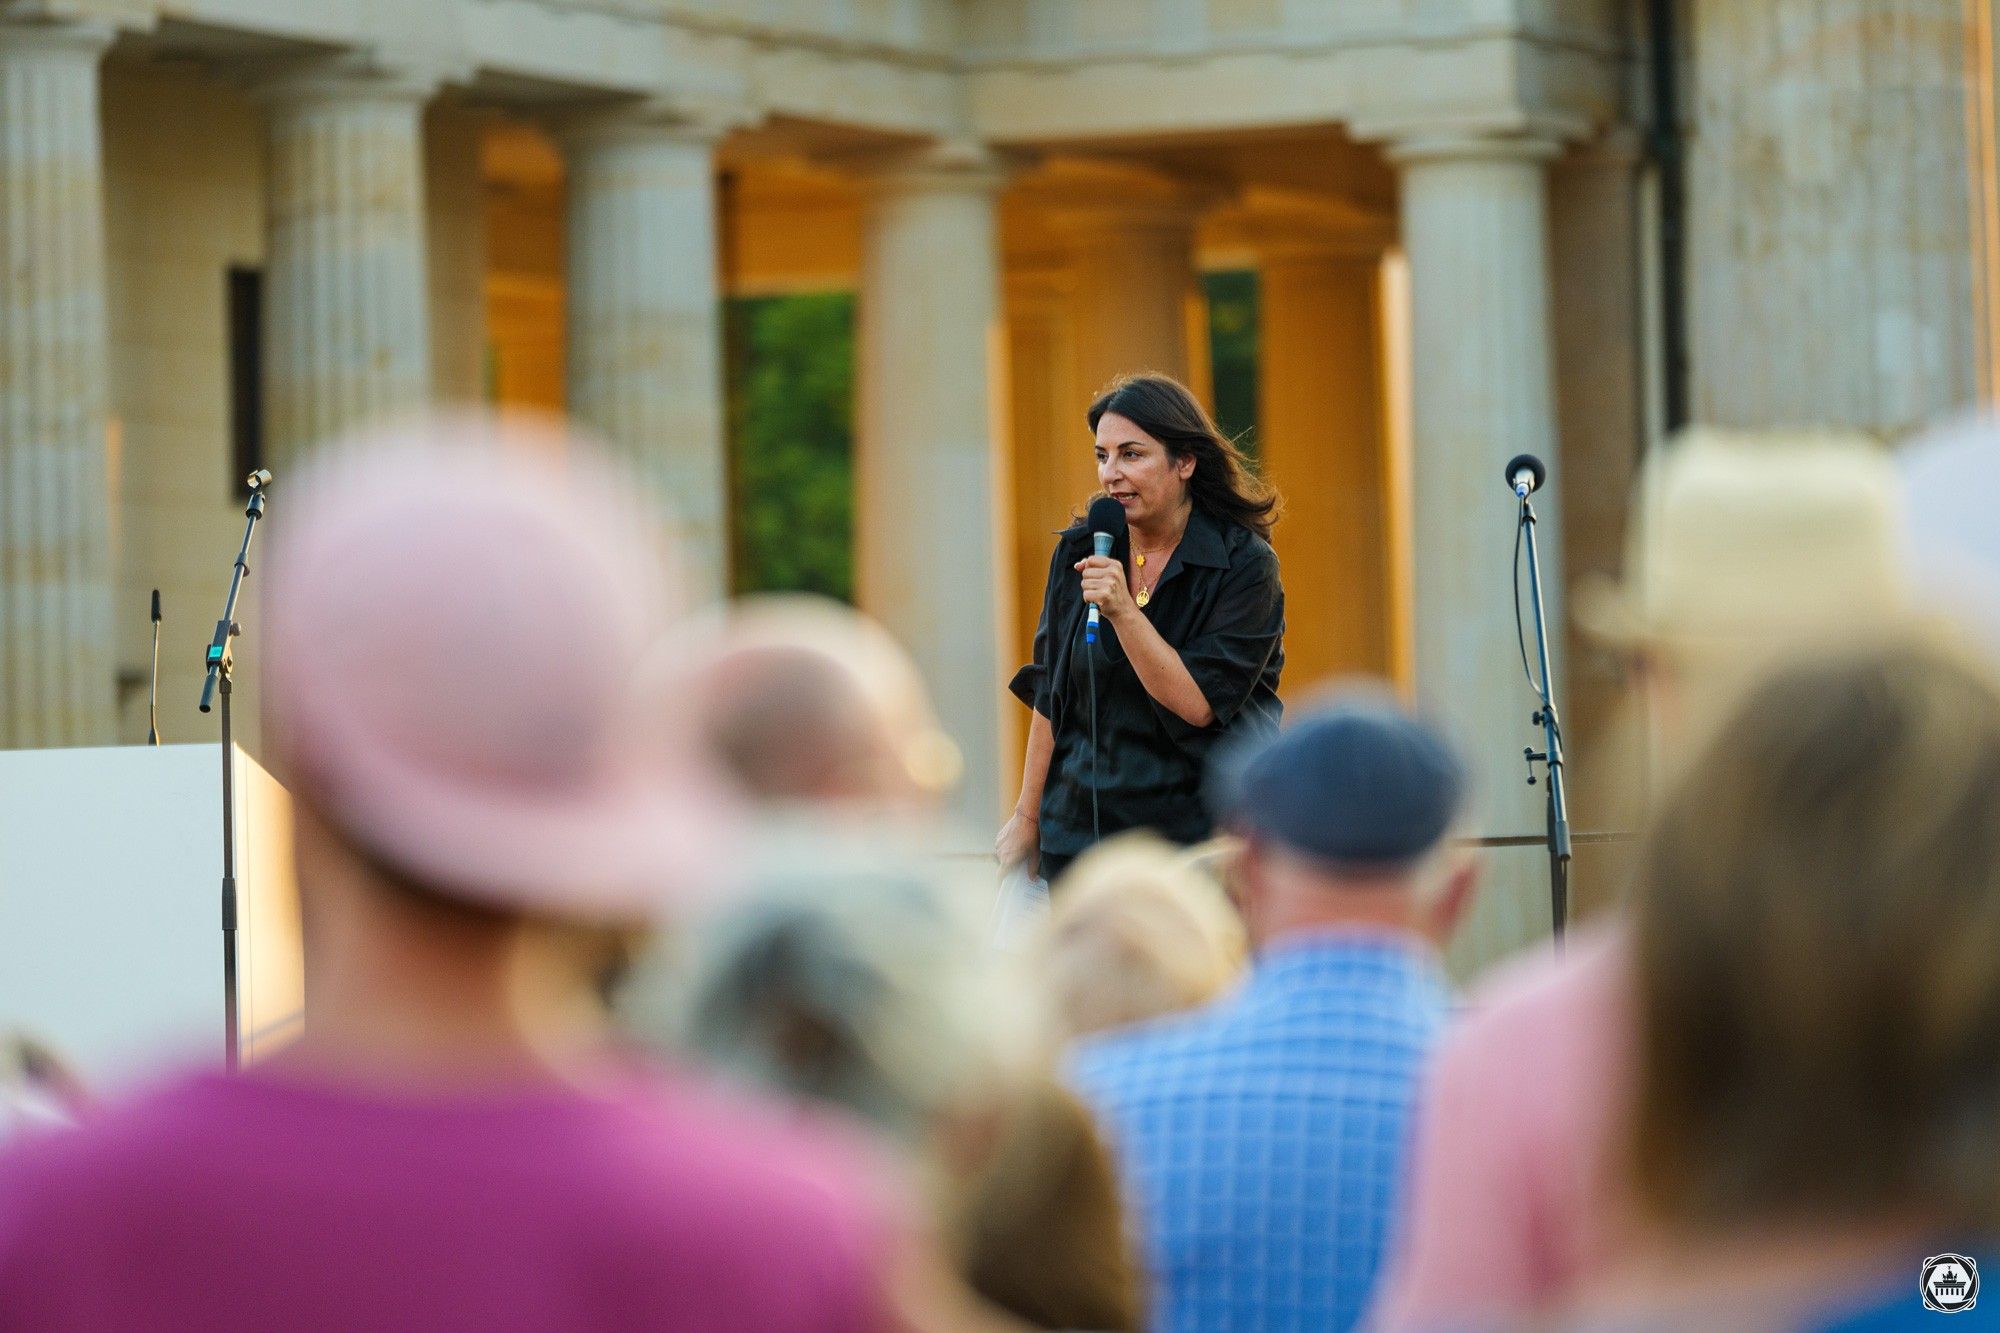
column 1475, row 231
column 1596, row 248
column 1136, row 302
column 1322, row 439
column 931, row 528
column 56, row 642
column 347, row 334
column 643, row 326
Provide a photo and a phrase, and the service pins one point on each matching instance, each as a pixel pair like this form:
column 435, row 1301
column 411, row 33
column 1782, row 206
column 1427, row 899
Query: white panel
column 110, row 905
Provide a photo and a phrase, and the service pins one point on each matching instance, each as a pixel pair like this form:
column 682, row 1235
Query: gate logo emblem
column 1950, row 1283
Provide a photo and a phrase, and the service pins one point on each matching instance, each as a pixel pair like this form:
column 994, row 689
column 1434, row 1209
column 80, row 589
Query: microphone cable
column 1090, row 669
column 1520, row 630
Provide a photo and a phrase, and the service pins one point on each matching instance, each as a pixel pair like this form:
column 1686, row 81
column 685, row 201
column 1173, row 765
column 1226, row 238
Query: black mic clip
column 1524, row 475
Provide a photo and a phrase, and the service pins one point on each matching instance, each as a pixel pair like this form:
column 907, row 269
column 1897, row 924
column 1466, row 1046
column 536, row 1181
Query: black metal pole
column 231, row 1041
column 153, row 683
column 1669, row 157
column 1552, row 755
column 219, row 662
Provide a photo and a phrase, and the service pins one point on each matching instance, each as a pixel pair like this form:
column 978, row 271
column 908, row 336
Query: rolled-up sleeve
column 1031, row 683
column 1229, row 655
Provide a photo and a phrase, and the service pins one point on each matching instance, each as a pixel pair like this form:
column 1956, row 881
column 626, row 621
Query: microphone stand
column 220, row 663
column 153, row 686
column 1551, row 755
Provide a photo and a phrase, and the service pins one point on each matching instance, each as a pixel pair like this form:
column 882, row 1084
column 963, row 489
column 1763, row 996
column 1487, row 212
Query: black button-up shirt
column 1219, row 604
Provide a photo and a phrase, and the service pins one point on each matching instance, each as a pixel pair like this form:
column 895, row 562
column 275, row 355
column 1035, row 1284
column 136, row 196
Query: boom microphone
column 1107, row 524
column 1525, row 474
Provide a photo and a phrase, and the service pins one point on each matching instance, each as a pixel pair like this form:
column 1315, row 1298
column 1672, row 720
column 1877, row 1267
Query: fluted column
column 55, row 562
column 1135, row 300
column 932, row 546
column 1475, row 231
column 347, row 326
column 644, row 329
column 1322, row 440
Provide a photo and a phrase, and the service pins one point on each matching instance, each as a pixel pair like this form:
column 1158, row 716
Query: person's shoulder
column 714, row 1151
column 1148, row 1053
column 1593, row 963
column 707, row 1196
column 1245, row 546
column 1562, row 1014
column 121, row 1150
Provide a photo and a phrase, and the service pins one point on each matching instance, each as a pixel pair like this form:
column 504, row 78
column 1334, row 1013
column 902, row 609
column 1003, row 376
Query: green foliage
column 1232, row 340
column 791, row 427
column 791, row 418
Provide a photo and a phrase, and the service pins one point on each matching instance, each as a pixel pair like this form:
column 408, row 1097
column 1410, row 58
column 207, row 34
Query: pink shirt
column 1512, row 1200
column 253, row 1203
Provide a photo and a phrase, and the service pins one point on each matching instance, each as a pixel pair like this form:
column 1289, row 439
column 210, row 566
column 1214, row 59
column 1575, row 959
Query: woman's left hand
column 1104, row 583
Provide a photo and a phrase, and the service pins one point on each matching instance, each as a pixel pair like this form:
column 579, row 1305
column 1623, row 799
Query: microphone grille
column 1106, row 515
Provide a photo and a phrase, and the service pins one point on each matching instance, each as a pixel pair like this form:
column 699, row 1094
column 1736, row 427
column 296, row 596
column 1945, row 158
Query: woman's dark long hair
column 1223, row 482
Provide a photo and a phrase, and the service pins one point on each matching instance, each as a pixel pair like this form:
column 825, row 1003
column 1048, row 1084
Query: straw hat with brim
column 454, row 617
column 1740, row 539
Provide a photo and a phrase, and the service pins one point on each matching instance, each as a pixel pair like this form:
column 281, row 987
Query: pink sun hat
column 455, row 614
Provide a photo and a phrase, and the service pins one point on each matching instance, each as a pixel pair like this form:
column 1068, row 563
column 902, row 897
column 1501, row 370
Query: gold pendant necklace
column 1145, row 593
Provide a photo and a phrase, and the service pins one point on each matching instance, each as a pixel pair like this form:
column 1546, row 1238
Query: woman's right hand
column 1019, row 843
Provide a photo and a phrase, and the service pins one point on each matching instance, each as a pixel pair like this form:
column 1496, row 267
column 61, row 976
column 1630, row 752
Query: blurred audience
column 1739, row 547
column 1261, row 1138
column 1137, row 933
column 1815, row 920
column 1048, row 1239
column 851, row 977
column 805, row 702
column 453, row 623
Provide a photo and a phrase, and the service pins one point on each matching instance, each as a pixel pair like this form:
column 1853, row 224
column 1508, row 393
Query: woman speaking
column 1189, row 646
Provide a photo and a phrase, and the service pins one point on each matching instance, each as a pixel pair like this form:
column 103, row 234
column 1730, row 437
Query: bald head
column 804, row 701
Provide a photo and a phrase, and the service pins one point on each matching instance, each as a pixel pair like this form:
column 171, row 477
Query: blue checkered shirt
column 1261, row 1139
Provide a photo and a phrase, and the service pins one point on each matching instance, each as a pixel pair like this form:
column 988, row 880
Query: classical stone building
column 1482, row 227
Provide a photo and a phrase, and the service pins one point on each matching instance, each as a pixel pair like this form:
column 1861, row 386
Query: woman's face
column 1137, row 471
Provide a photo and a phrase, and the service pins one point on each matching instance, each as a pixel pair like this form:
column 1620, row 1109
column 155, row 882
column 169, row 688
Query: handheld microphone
column 1525, row 475
column 153, row 691
column 1107, row 525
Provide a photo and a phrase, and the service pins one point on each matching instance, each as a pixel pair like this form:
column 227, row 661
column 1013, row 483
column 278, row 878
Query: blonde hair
column 1818, row 918
column 1137, row 932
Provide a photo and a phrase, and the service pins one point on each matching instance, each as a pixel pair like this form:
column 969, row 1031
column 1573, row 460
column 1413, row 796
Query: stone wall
column 184, row 202
column 183, row 184
column 1830, row 267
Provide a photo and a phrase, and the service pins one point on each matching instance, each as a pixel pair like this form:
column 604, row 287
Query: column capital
column 1471, row 145
column 1090, row 197
column 955, row 166
column 1618, row 146
column 701, row 122
column 352, row 77
column 82, row 37
column 1291, row 224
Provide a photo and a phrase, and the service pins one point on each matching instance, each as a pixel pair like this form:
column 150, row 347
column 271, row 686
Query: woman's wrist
column 1019, row 813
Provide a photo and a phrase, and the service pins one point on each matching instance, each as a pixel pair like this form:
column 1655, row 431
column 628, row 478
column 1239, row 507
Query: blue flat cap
column 1354, row 782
